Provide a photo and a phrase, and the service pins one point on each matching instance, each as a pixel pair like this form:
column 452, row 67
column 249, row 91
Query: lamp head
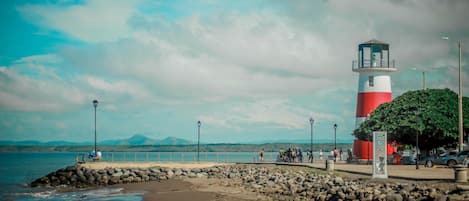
column 335, row 125
column 311, row 120
column 95, row 103
column 199, row 123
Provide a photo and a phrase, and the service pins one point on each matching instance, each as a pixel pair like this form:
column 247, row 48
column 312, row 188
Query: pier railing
column 228, row 157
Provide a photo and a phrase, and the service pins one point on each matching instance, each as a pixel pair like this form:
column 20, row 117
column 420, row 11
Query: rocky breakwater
column 278, row 183
column 80, row 177
column 284, row 184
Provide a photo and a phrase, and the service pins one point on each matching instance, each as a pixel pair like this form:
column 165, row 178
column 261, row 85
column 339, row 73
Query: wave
column 94, row 194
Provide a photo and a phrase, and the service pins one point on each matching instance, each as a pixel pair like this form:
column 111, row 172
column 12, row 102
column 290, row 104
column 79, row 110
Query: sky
column 249, row 70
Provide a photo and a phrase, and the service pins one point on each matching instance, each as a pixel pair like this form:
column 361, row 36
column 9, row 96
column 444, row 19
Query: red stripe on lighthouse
column 369, row 101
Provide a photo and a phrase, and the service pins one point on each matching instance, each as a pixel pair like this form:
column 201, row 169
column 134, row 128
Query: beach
column 196, row 189
column 190, row 189
column 260, row 181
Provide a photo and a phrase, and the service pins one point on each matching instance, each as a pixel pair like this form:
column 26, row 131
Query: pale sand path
column 103, row 165
column 396, row 171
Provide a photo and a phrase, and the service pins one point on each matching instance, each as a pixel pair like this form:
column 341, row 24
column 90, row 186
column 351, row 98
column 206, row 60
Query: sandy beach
column 191, row 189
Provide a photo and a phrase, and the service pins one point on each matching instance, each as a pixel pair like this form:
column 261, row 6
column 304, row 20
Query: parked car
column 446, row 159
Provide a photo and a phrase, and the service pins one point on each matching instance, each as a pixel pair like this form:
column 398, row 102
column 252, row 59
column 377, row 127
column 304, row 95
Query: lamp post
column 198, row 140
column 460, row 122
column 369, row 141
column 95, row 104
column 311, row 121
column 417, row 141
column 423, row 78
column 460, row 116
column 335, row 136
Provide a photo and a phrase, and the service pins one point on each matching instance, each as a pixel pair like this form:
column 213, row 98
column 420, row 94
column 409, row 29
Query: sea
column 18, row 169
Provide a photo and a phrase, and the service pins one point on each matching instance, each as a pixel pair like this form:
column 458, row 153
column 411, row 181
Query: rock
column 338, row 181
column 394, row 197
column 118, row 174
column 155, row 170
column 341, row 195
column 191, row 175
column 232, row 175
column 170, row 173
column 196, row 170
column 256, row 186
column 270, row 183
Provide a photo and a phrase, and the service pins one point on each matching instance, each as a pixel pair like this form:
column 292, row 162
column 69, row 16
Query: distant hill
column 301, row 141
column 132, row 141
column 144, row 140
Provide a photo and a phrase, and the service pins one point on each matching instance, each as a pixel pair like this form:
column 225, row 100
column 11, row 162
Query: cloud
column 92, row 21
column 276, row 63
column 269, row 113
column 33, row 84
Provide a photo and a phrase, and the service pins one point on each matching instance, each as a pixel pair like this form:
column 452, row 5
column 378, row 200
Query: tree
column 431, row 113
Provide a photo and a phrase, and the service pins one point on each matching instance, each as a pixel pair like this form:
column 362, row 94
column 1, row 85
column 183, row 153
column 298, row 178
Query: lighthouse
column 374, row 85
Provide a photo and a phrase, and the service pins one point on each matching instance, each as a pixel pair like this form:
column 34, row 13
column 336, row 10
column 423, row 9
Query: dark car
column 447, row 159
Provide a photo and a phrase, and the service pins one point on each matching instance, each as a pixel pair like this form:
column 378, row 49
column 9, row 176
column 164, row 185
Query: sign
column 380, row 166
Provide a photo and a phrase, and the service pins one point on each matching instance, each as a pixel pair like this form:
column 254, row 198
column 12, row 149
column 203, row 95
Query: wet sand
column 173, row 189
column 189, row 189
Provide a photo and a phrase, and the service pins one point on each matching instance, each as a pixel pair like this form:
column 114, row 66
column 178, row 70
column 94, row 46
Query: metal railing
column 367, row 64
column 228, row 157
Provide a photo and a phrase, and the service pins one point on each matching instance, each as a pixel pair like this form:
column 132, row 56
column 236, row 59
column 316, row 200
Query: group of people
column 291, row 155
column 95, row 155
column 295, row 155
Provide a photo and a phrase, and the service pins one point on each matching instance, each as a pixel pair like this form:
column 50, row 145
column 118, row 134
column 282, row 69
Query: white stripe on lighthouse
column 381, row 83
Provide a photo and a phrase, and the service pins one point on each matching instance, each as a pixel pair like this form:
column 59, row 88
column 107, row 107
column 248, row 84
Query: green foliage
column 432, row 113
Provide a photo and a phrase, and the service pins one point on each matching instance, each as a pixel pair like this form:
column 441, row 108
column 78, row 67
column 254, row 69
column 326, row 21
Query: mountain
column 135, row 140
column 301, row 141
column 144, row 140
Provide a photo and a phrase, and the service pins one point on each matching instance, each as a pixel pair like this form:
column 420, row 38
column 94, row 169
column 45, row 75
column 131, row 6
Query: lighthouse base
column 363, row 150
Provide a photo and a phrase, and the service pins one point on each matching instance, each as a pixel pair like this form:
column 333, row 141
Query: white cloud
column 263, row 59
column 270, row 113
column 34, row 93
column 93, row 21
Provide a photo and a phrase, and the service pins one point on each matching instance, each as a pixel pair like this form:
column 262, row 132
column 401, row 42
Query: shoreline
column 213, row 181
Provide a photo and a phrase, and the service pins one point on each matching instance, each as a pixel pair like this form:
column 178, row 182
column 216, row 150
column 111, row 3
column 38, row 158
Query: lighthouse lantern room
column 374, row 86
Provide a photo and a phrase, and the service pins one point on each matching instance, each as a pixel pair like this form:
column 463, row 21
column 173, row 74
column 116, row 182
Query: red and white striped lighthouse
column 374, row 85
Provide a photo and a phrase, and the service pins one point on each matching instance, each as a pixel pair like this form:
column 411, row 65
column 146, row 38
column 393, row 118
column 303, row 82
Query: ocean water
column 17, row 169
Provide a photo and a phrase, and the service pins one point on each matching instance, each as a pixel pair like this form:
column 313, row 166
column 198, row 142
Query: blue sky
column 249, row 70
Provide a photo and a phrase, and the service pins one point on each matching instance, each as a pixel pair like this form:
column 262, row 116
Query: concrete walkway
column 394, row 171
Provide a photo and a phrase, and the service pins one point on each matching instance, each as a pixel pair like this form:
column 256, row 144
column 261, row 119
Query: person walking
column 335, row 152
column 320, row 154
column 261, row 155
column 340, row 154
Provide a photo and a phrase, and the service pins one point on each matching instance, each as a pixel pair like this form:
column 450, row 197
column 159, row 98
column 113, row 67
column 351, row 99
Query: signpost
column 380, row 169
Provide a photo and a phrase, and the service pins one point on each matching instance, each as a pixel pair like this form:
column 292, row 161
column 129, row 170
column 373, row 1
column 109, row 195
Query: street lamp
column 423, row 78
column 335, row 136
column 311, row 121
column 417, row 141
column 460, row 118
column 198, row 140
column 369, row 141
column 95, row 104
